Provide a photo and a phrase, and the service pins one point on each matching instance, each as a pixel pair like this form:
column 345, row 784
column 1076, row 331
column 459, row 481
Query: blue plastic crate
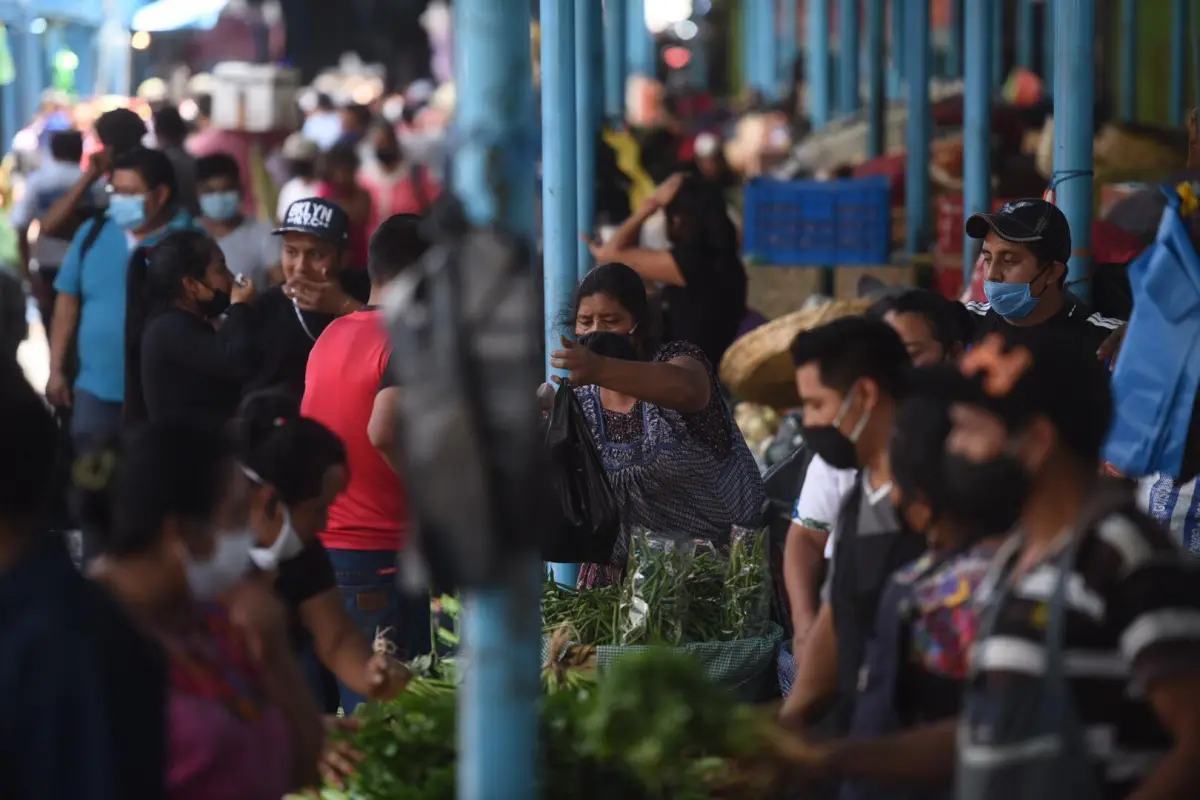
column 818, row 223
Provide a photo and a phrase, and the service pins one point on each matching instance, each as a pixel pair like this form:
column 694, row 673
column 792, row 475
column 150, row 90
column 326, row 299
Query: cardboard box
column 775, row 291
column 845, row 279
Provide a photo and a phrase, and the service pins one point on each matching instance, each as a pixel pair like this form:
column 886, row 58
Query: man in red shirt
column 349, row 388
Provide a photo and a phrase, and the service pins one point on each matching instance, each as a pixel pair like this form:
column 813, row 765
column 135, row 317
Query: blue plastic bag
column 1158, row 371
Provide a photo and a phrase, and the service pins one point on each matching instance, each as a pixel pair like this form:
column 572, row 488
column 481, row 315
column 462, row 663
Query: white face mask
column 211, row 578
column 287, row 545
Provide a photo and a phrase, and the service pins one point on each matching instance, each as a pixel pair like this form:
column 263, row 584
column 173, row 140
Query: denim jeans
column 367, row 580
column 94, row 422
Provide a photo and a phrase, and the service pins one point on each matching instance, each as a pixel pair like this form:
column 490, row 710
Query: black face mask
column 612, row 345
column 388, row 158
column 834, row 447
column 216, row 305
column 987, row 495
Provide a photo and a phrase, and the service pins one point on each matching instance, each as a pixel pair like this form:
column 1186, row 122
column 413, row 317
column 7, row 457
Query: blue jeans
column 367, row 580
column 94, row 423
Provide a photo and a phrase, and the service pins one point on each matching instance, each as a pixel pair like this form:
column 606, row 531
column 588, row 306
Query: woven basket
column 758, row 367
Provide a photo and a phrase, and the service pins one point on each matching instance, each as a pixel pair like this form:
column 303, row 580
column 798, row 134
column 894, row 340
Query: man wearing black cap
column 1026, row 247
column 290, row 317
column 1085, row 676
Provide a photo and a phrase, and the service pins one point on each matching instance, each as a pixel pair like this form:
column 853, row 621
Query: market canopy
column 174, row 15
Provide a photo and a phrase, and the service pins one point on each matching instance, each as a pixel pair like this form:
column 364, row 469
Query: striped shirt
column 1133, row 617
column 1174, row 505
column 1074, row 319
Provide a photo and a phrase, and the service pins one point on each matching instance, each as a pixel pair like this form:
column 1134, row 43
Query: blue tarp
column 1158, row 370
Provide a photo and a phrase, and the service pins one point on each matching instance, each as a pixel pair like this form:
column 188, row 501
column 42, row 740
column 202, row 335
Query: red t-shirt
column 347, row 367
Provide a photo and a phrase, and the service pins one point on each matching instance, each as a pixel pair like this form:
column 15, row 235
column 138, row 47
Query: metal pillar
column 10, row 102
column 876, row 102
column 1075, row 49
column 818, row 63
column 494, row 175
column 1128, row 87
column 1049, row 20
column 762, row 55
column 848, row 81
column 789, row 43
column 560, row 234
column 29, row 69
column 748, row 31
column 898, row 65
column 977, row 111
column 920, row 125
column 640, row 48
column 1024, row 34
column 614, row 59
column 998, row 19
column 1178, row 92
column 589, row 50
column 954, row 42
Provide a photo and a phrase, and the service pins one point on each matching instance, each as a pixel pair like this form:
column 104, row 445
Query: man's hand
column 98, row 165
column 1111, row 347
column 583, row 365
column 326, row 297
column 665, row 192
column 243, row 290
column 58, row 390
column 339, row 759
column 386, row 677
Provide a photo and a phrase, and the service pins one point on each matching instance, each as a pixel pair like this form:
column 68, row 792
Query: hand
column 1111, row 347
column 243, row 290
column 98, row 165
column 386, row 677
column 545, row 398
column 602, row 252
column 666, row 191
column 58, row 390
column 260, row 615
column 339, row 759
column 582, row 365
column 327, row 296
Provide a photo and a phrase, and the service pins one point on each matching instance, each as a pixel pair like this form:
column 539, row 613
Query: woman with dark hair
column 673, row 456
column 704, row 281
column 169, row 507
column 177, row 360
column 298, row 466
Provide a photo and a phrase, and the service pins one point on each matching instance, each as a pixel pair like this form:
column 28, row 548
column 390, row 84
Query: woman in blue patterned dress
column 674, row 458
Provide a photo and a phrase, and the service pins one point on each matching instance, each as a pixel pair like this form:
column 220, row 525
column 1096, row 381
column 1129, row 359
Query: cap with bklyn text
column 318, row 217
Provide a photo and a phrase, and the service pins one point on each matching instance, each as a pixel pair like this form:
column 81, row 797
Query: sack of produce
column 746, row 595
column 654, row 602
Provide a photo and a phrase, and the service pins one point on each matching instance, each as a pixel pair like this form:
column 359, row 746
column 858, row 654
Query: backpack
column 97, row 220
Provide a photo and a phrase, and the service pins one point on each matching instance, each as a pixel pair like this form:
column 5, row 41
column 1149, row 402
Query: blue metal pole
column 1024, row 34
column 1050, row 12
column 10, row 104
column 920, row 126
column 789, row 42
column 876, row 103
column 998, row 19
column 954, row 42
column 818, row 62
column 589, row 46
column 749, row 31
column 977, row 111
column 1075, row 85
column 29, row 71
column 768, row 47
column 848, row 82
column 896, row 73
column 642, row 58
column 1178, row 91
column 494, row 175
column 1129, row 33
column 559, row 200
column 615, row 34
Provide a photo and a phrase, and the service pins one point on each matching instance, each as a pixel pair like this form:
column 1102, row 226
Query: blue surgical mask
column 1010, row 300
column 127, row 211
column 220, row 206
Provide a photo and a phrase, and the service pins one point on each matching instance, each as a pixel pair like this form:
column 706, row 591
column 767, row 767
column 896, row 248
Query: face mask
column 987, row 495
column 612, row 345
column 216, row 305
column 213, row 577
column 388, row 158
column 127, row 211
column 286, row 546
column 220, row 206
column 834, row 447
column 1010, row 300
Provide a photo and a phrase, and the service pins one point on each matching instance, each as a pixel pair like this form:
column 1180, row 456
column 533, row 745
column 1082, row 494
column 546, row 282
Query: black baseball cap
column 1027, row 373
column 317, row 217
column 1035, row 223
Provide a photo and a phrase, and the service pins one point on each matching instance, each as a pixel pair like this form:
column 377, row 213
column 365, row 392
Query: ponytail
column 138, row 302
column 286, row 450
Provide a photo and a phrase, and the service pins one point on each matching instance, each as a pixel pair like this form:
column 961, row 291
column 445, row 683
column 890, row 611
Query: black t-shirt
column 1074, row 320
column 299, row 580
column 283, row 338
column 709, row 310
column 188, row 367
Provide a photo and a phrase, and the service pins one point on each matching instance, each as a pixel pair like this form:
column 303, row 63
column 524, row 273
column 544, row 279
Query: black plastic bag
column 590, row 516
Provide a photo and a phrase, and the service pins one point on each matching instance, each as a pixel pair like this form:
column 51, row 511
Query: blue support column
column 848, row 82
column 749, row 32
column 10, row 101
column 789, row 42
column 817, row 70
column 998, row 19
column 29, row 70
column 643, row 60
column 1075, row 85
column 954, row 41
column 1128, row 87
column 1049, row 23
column 876, row 102
column 977, row 128
column 589, row 47
column 899, row 63
column 1024, row 35
column 920, row 126
column 559, row 200
column 1178, row 92
column 494, row 175
column 615, row 34
column 763, row 58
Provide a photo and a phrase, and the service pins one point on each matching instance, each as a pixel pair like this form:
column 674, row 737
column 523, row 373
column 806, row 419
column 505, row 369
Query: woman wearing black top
column 298, row 467
column 177, row 360
column 704, row 281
